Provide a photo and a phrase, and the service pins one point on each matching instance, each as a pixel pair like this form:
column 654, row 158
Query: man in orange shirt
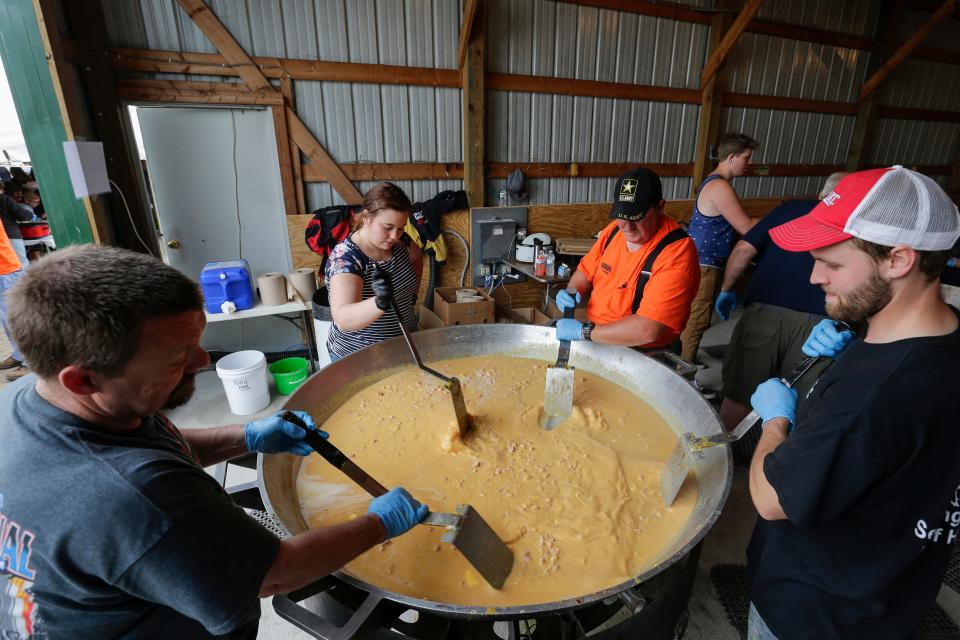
column 9, row 273
column 641, row 274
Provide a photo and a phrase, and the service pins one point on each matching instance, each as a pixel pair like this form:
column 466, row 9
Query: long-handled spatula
column 466, row 530
column 679, row 462
column 456, row 391
column 558, row 393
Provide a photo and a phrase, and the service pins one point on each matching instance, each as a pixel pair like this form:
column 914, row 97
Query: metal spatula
column 456, row 391
column 558, row 393
column 680, row 461
column 465, row 529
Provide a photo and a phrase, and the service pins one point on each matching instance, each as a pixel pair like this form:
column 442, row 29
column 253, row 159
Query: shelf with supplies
column 260, row 310
column 526, row 268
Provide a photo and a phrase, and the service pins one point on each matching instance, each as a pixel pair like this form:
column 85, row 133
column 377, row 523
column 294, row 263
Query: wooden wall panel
column 561, row 220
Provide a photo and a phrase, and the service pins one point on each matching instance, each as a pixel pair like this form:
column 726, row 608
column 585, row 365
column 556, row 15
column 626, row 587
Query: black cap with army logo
column 637, row 190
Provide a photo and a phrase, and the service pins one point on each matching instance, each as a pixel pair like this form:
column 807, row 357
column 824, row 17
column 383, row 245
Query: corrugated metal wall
column 372, row 123
column 562, row 40
column 354, row 122
column 920, row 84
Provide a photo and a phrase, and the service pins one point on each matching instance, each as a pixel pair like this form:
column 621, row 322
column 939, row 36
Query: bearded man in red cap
column 858, row 491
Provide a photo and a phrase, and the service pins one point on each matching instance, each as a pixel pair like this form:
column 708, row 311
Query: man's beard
column 863, row 302
column 182, row 392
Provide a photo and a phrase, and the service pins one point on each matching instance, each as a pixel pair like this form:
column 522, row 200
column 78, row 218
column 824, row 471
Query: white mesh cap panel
column 906, row 208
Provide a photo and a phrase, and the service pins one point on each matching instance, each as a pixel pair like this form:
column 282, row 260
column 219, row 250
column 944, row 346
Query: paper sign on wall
column 87, row 167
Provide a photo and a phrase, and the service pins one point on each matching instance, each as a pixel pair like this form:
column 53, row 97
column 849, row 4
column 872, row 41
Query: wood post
column 286, row 88
column 710, row 105
column 474, row 112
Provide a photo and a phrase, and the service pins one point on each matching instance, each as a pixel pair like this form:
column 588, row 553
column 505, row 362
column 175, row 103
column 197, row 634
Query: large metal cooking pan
column 669, row 394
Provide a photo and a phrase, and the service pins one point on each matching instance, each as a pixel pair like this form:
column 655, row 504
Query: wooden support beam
column 787, row 104
column 926, row 115
column 648, row 8
column 953, row 182
column 213, row 64
column 225, row 43
column 474, row 112
column 324, row 163
column 376, row 171
column 234, row 54
column 283, row 156
column 469, row 15
column 181, row 91
column 286, row 89
column 151, row 61
column 366, row 171
column 730, row 38
column 884, row 35
column 858, row 144
column 709, row 118
column 806, row 34
column 532, row 170
column 232, row 93
column 944, row 12
column 571, row 87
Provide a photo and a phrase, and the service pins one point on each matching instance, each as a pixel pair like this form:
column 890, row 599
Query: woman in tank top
column 716, row 220
column 378, row 244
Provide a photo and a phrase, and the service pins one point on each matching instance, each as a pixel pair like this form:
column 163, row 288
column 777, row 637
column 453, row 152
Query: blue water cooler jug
column 227, row 281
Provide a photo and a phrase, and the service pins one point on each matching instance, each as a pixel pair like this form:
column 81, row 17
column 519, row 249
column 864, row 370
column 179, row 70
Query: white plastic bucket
column 244, row 377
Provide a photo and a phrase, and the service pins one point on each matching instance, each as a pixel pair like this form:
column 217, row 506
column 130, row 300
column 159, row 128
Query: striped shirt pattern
column 347, row 257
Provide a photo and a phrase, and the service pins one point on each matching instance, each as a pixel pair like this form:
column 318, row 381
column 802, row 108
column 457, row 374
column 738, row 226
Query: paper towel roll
column 273, row 289
column 304, row 283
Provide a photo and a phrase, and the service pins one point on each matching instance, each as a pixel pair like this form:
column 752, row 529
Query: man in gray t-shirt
column 109, row 527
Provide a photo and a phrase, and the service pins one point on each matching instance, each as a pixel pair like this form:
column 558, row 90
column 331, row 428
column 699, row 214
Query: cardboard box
column 429, row 320
column 522, row 315
column 579, row 313
column 451, row 312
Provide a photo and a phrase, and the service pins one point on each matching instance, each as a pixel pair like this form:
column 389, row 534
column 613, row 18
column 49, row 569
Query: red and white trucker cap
column 891, row 207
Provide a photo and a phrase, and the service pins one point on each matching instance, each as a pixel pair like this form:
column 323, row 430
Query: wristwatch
column 587, row 328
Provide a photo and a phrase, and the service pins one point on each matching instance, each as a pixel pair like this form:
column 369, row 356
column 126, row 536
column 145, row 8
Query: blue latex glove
column 275, row 435
column 569, row 329
column 773, row 399
column 567, row 300
column 825, row 340
column 398, row 511
column 726, row 302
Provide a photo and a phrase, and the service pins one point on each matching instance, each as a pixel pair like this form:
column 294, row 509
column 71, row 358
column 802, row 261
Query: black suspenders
column 647, row 269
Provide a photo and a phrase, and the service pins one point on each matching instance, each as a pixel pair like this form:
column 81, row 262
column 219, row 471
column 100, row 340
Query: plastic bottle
column 551, row 263
column 539, row 260
column 504, row 198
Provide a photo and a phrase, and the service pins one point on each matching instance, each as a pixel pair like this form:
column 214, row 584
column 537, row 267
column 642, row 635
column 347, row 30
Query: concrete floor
column 725, row 544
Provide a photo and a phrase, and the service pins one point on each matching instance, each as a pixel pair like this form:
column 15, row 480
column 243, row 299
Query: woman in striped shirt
column 359, row 299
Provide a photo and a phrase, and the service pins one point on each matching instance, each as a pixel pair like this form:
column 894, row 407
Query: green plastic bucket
column 289, row 374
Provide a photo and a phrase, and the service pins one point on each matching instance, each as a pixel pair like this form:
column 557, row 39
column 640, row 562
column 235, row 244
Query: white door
column 217, row 190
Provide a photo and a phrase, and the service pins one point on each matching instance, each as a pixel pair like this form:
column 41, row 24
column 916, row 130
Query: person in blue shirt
column 782, row 307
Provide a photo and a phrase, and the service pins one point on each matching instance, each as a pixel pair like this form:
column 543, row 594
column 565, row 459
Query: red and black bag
column 328, row 227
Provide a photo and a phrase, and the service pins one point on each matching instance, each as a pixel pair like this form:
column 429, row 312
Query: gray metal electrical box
column 492, row 234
